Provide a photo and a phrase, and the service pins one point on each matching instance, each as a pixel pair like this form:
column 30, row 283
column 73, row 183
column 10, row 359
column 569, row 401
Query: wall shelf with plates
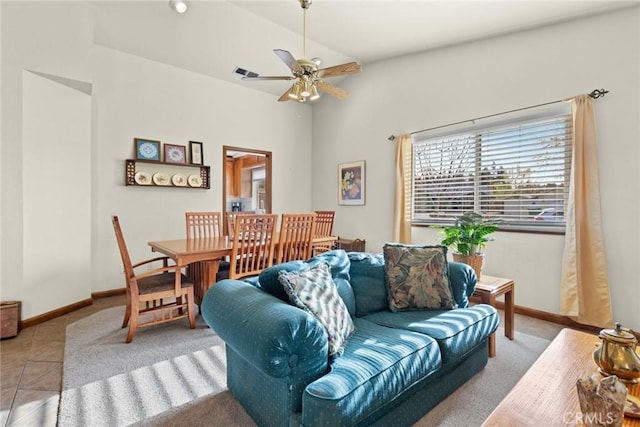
column 148, row 173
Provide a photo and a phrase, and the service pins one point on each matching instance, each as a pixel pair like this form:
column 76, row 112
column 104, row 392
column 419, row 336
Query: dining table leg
column 206, row 279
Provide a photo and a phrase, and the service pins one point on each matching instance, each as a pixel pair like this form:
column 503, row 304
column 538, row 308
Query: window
column 516, row 171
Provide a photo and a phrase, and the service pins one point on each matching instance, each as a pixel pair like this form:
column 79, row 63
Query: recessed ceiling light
column 178, row 5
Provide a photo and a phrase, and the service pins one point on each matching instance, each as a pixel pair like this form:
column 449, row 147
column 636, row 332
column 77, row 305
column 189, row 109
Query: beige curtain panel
column 584, row 287
column 402, row 201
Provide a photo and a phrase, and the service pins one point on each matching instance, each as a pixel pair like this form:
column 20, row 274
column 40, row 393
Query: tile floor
column 31, row 365
column 31, row 369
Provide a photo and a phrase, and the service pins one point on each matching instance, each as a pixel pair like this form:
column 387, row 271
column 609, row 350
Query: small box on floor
column 9, row 318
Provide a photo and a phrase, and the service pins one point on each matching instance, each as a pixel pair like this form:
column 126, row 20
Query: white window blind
column 517, row 172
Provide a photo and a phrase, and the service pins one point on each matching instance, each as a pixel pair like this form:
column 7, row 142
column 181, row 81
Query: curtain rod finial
column 598, row 93
column 391, row 138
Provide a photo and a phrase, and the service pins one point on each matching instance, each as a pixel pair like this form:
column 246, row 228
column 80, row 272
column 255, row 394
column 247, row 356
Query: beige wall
column 136, row 97
column 130, row 97
column 486, row 77
column 56, row 129
column 37, row 190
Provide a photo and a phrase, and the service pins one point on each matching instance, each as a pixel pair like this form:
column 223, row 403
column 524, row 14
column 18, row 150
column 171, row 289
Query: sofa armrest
column 463, row 282
column 276, row 338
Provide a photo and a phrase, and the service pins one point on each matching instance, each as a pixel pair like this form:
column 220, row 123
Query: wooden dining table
column 208, row 250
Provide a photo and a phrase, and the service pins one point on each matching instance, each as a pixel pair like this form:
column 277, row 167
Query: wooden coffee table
column 487, row 289
column 546, row 395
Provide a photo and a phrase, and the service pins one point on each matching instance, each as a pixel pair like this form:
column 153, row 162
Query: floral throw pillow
column 417, row 277
column 314, row 290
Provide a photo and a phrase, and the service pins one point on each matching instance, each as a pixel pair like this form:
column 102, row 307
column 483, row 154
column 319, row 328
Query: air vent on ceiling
column 244, row 73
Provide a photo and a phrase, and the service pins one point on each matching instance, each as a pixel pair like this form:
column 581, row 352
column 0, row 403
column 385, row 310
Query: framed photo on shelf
column 146, row 149
column 175, row 154
column 195, row 153
column 351, row 183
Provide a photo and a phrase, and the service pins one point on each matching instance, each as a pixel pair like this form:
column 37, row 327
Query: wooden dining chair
column 253, row 245
column 230, row 217
column 296, row 236
column 203, row 225
column 324, row 228
column 164, row 293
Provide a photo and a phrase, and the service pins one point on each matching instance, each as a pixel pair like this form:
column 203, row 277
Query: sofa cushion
column 313, row 290
column 378, row 365
column 417, row 277
column 252, row 280
column 337, row 260
column 456, row 331
column 268, row 279
column 367, row 281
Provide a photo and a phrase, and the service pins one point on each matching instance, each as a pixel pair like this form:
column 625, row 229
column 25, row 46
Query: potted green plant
column 467, row 237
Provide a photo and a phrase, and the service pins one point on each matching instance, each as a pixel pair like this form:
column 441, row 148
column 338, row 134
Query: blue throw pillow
column 313, row 290
column 269, row 281
column 367, row 281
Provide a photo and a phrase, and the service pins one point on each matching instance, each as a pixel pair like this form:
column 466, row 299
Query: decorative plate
column 160, row 179
column 632, row 407
column 195, row 181
column 142, row 178
column 179, row 180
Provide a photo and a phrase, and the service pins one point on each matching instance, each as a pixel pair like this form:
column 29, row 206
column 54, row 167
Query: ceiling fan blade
column 340, row 70
column 269, row 78
column 288, row 59
column 332, row 90
column 285, row 96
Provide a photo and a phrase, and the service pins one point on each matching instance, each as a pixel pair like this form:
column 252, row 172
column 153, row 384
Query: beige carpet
column 109, row 383
column 173, row 376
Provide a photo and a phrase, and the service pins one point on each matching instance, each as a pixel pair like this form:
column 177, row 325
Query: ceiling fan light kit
column 306, row 72
column 313, row 93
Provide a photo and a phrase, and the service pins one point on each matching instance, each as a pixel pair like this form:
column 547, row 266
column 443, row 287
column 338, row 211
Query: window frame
column 559, row 111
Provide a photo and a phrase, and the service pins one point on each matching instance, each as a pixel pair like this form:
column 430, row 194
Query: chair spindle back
column 253, row 244
column 203, row 224
column 296, row 236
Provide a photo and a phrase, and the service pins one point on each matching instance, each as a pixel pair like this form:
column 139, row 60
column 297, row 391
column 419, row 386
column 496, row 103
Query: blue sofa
column 395, row 367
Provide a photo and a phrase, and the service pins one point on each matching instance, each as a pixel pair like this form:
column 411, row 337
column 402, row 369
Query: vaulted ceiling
column 215, row 36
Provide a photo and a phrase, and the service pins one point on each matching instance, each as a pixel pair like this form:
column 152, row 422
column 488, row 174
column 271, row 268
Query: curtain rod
column 595, row 94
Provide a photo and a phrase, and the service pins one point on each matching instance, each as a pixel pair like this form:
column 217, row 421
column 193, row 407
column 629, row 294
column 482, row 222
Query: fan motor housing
column 308, row 66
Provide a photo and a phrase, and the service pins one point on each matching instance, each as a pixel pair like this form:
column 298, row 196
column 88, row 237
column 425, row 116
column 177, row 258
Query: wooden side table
column 350, row 245
column 487, row 289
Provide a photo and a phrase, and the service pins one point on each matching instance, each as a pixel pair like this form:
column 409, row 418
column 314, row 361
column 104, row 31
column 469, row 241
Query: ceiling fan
column 306, row 72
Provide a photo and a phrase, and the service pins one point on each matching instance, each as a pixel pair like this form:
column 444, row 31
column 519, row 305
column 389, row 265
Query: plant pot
column 474, row 261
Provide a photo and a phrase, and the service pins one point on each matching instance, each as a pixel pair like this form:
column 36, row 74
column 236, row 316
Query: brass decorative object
column 616, row 355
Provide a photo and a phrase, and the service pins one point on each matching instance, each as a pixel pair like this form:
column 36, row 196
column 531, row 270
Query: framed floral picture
column 351, row 183
column 146, row 149
column 175, row 154
column 195, row 153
